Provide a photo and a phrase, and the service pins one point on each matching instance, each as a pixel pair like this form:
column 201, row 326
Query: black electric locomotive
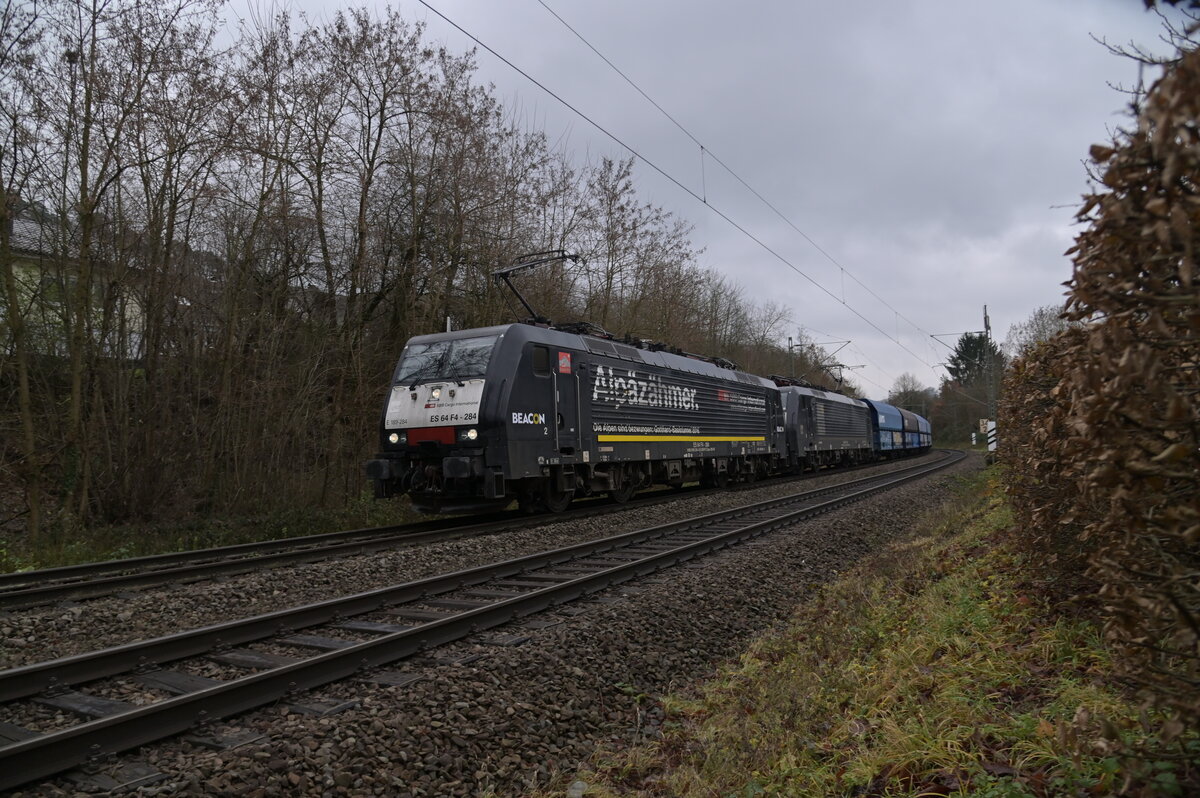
column 825, row 428
column 476, row 418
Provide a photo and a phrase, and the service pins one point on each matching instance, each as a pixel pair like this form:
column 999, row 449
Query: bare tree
column 909, row 393
column 21, row 155
column 1043, row 324
column 240, row 243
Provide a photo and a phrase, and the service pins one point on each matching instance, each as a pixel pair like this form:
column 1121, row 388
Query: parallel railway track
column 357, row 635
column 90, row 580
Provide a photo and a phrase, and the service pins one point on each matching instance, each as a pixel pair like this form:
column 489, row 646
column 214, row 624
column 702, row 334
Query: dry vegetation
column 935, row 667
column 1104, row 455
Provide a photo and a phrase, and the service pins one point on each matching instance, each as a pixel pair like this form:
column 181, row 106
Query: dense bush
column 1103, row 422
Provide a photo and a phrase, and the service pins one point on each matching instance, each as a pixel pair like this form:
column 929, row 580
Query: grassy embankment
column 934, row 668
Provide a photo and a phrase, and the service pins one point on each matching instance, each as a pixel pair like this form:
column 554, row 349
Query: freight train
column 540, row 414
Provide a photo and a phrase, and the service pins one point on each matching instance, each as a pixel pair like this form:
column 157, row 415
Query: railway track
column 358, row 636
column 91, row 580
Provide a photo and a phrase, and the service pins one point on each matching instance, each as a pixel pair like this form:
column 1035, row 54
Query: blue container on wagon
column 912, row 429
column 888, row 425
column 926, row 432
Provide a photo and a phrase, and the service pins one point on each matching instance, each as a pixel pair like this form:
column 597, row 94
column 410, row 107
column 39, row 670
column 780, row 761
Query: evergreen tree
column 968, row 364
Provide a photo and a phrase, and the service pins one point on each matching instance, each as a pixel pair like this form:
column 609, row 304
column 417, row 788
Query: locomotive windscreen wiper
column 428, row 372
column 422, row 363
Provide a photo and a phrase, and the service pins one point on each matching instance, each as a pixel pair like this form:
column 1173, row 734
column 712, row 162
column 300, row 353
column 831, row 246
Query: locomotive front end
column 433, row 433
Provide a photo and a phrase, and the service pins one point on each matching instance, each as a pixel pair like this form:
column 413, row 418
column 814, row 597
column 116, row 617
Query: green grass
column 59, row 547
column 931, row 669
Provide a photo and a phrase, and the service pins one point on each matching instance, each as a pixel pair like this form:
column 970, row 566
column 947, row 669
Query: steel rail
column 25, row 589
column 90, row 580
column 56, row 674
column 93, row 569
column 53, row 752
column 192, row 571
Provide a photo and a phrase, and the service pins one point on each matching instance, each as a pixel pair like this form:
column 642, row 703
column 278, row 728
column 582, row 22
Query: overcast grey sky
column 933, row 149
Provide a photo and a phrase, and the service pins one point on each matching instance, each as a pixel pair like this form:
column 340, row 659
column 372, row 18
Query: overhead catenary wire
column 706, row 151
column 690, row 192
column 856, row 348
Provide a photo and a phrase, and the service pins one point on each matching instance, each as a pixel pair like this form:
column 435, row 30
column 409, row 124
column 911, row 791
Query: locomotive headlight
column 435, row 394
column 394, row 437
column 471, row 434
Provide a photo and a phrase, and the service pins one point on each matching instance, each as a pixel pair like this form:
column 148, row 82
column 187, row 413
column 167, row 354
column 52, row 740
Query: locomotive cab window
column 541, row 361
column 454, row 359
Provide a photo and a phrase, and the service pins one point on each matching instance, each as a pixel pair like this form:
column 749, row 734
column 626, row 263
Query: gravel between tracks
column 508, row 720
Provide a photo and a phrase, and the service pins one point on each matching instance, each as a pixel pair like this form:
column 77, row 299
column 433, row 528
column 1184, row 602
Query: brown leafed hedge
column 1102, row 424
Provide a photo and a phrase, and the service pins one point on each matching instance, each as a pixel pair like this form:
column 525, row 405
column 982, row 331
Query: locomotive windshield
column 457, row 359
